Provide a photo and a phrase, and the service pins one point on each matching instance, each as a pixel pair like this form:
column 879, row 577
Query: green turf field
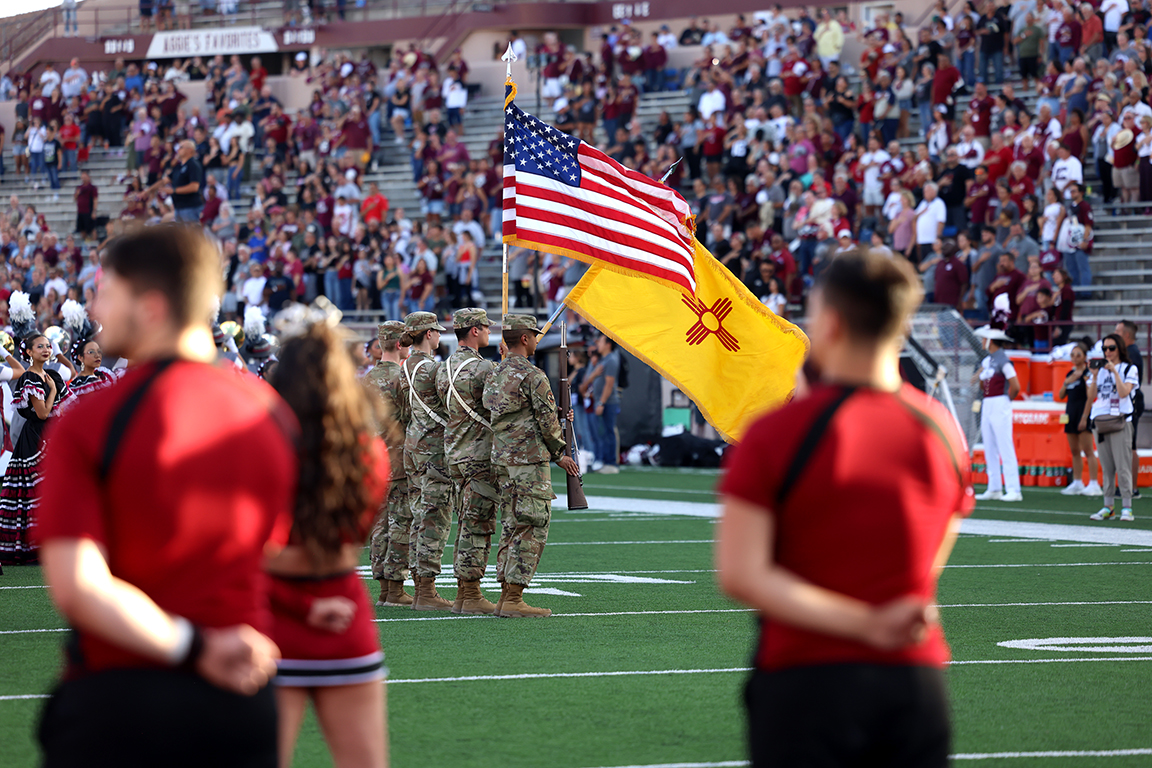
column 644, row 663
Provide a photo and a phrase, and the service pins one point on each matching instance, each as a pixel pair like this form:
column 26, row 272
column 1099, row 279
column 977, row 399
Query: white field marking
column 1030, row 605
column 489, row 582
column 1136, row 550
column 597, row 504
column 30, row 586
column 553, row 675
column 24, row 696
column 1086, row 534
column 1033, row 511
column 723, row 764
column 1070, row 753
column 569, row 615
column 1046, row 565
column 1084, row 545
column 1050, row 661
column 1016, row 541
column 958, row 756
column 649, row 489
column 534, row 590
column 1083, row 644
column 663, row 672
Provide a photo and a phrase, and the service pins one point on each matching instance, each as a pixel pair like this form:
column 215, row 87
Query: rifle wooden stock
column 576, row 498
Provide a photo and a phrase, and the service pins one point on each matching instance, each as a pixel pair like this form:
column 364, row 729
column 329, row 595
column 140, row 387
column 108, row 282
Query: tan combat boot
column 397, row 597
column 427, row 599
column 500, row 602
column 512, row 605
column 470, row 600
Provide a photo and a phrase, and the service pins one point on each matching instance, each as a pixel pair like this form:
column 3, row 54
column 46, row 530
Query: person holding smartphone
column 1110, row 392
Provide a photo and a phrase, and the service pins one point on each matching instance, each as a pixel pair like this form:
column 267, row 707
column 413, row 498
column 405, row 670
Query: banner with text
column 209, row 42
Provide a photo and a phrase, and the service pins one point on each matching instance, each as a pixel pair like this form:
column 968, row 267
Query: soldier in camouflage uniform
column 468, row 451
column 429, row 485
column 393, row 529
column 526, row 435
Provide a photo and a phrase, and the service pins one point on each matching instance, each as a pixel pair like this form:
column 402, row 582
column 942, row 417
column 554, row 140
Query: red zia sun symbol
column 710, row 321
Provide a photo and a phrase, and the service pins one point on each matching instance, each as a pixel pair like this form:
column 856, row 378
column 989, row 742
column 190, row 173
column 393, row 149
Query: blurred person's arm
column 93, row 600
column 744, row 550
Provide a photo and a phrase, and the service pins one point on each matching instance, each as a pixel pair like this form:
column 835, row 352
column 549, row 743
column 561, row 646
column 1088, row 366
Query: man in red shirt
column 849, row 666
column 151, row 550
column 374, row 206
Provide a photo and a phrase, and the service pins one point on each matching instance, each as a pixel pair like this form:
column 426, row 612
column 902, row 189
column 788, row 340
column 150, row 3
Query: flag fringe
column 508, row 99
column 520, row 242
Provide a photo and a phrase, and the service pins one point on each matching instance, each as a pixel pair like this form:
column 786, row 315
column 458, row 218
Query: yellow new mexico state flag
column 732, row 355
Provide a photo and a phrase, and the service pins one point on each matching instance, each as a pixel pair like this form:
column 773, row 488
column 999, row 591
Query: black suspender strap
column 809, row 444
column 123, row 416
column 932, row 426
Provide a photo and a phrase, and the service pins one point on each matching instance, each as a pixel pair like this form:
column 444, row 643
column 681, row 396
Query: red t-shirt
column 888, row 475
column 69, row 135
column 175, row 520
column 374, row 207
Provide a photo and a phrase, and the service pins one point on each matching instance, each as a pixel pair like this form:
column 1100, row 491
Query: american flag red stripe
column 563, row 196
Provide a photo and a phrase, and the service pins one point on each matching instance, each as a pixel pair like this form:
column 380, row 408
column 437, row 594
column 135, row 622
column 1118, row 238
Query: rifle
column 576, row 498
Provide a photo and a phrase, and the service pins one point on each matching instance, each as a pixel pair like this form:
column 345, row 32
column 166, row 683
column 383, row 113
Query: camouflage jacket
column 426, row 424
column 465, row 438
column 525, row 429
column 386, row 379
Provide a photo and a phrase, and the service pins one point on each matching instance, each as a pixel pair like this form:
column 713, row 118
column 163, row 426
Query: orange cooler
column 1060, row 370
column 1022, row 362
column 1040, row 375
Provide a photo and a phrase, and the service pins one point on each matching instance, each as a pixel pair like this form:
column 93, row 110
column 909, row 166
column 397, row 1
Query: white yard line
column 1047, row 565
column 455, row 617
column 959, row 756
column 1068, row 753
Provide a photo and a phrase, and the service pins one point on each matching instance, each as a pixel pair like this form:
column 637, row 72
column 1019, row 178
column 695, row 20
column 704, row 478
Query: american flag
column 565, row 197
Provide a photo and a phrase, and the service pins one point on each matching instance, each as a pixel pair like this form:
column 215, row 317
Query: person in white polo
column 1000, row 386
column 930, row 217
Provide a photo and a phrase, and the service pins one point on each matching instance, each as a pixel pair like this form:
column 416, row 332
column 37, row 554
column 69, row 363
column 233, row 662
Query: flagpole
column 559, row 310
column 508, row 57
column 504, row 284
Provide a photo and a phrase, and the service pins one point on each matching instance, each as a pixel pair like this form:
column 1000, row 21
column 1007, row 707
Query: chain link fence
column 944, row 349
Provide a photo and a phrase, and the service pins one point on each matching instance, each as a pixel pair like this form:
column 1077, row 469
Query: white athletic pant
column 996, row 431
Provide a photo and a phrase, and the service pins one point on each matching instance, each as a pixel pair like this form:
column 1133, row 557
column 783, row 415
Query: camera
column 1097, row 364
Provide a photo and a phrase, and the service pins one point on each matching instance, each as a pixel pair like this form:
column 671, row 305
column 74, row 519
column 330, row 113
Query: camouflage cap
column 416, row 322
column 519, row 323
column 470, row 318
column 391, row 330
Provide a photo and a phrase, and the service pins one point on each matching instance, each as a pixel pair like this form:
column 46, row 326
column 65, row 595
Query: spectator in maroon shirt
column 951, row 278
column 655, row 59
column 1008, row 280
column 169, row 103
column 355, row 136
column 944, row 81
column 211, row 206
column 85, row 196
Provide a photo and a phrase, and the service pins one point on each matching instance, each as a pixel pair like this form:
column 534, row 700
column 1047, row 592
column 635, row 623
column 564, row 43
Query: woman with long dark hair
column 38, row 395
column 1075, row 389
column 90, row 377
column 322, row 615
